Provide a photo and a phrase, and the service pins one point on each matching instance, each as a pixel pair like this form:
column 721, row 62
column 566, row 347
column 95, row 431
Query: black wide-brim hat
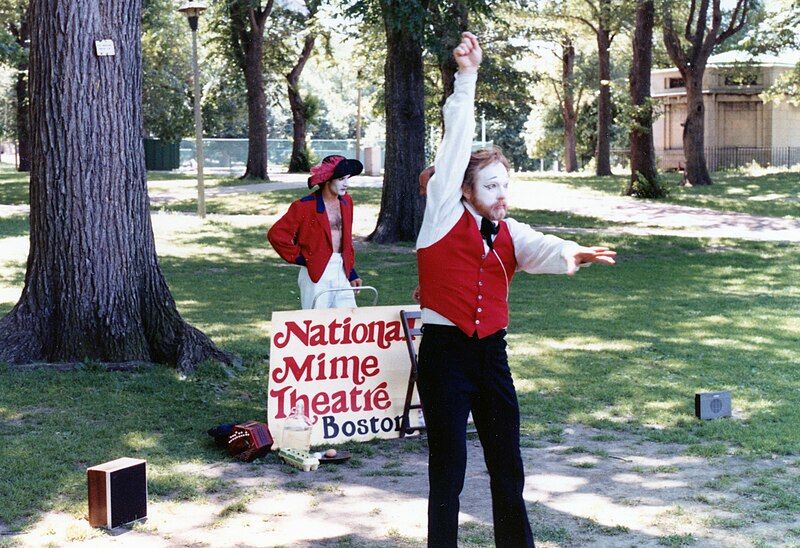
column 334, row 167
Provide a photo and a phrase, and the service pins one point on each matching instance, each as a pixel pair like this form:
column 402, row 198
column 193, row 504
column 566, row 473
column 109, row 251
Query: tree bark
column 93, row 285
column 690, row 50
column 247, row 20
column 299, row 162
column 643, row 160
column 603, row 151
column 257, row 153
column 400, row 216
column 21, row 35
column 696, row 172
column 568, row 113
column 23, row 118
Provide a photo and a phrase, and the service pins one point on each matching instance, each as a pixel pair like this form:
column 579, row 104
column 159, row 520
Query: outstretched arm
column 584, row 256
column 443, row 205
column 537, row 253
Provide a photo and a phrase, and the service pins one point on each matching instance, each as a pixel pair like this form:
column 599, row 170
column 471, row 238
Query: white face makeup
column 339, row 186
column 490, row 195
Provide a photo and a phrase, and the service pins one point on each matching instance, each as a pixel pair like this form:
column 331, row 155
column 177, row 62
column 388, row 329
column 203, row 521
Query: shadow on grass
column 13, row 187
column 615, row 348
column 771, row 195
column 625, row 346
column 261, row 203
column 14, row 225
column 628, row 347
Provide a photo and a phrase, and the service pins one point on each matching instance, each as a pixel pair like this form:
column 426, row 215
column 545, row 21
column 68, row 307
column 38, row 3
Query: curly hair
column 479, row 160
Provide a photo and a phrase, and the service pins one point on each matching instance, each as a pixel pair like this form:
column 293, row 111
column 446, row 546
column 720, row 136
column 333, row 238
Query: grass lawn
column 621, row 349
column 772, row 194
column 14, row 185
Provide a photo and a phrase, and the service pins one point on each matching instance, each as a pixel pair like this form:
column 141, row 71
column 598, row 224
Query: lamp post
column 192, row 11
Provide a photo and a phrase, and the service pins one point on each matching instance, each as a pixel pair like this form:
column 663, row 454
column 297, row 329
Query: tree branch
column 672, row 41
column 308, row 47
column 251, row 16
column 261, row 15
column 734, row 27
column 700, row 30
column 688, row 31
column 555, row 89
column 584, row 21
column 593, row 8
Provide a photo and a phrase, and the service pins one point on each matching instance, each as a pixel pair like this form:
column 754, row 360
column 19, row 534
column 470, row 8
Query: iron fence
column 721, row 158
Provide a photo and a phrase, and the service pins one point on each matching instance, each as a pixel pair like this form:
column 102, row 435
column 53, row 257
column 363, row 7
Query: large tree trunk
column 568, row 114
column 257, row 157
column 689, row 46
column 93, row 286
column 644, row 177
column 23, row 118
column 402, row 206
column 299, row 162
column 696, row 172
column 603, row 151
column 22, row 35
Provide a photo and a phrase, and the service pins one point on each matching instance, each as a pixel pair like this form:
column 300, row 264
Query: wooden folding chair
column 410, row 333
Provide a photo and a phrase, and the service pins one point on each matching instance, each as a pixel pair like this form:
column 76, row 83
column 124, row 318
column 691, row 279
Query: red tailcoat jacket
column 303, row 235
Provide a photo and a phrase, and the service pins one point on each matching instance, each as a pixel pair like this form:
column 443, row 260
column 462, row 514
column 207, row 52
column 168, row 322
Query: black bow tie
column 489, row 229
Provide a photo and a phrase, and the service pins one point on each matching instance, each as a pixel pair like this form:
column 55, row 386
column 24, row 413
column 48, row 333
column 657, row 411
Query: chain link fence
column 230, row 155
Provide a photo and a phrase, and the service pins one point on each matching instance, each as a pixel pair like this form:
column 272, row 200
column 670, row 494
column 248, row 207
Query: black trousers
column 459, row 374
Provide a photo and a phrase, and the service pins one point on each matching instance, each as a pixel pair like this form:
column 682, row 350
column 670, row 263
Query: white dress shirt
column 535, row 252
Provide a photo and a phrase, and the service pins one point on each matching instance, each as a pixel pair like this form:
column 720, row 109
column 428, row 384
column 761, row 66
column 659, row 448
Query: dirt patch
column 596, row 488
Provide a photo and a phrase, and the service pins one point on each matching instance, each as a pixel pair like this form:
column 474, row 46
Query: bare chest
column 334, row 212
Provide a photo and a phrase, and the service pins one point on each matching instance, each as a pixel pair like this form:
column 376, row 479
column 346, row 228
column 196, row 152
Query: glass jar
column 297, row 430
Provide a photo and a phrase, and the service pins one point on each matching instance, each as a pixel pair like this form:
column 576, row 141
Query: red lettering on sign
column 338, row 367
column 322, row 403
column 378, row 332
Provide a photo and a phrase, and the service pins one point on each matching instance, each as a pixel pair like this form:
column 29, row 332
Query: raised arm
column 443, row 204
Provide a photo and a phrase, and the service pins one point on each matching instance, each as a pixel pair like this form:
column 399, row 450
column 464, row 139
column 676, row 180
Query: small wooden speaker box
column 117, row 492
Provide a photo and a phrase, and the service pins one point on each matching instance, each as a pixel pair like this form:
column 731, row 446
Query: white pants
column 333, row 278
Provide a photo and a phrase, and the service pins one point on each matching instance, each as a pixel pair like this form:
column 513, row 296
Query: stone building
column 739, row 125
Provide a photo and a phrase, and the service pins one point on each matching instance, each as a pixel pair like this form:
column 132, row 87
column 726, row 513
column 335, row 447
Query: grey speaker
column 712, row 405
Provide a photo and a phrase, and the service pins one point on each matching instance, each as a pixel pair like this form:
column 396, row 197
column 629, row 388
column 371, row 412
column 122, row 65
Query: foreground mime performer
column 317, row 234
column 467, row 254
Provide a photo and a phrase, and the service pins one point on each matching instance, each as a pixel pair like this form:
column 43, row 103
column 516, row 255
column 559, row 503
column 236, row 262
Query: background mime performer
column 467, row 254
column 317, row 234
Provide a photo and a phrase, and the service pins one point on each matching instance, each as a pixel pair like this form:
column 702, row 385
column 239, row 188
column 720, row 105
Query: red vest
column 463, row 284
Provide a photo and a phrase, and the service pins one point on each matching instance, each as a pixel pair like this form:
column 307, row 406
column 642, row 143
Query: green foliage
column 302, row 162
column 776, row 32
column 167, row 99
column 644, row 188
column 225, row 101
column 786, row 88
column 13, row 32
column 775, row 29
column 311, row 108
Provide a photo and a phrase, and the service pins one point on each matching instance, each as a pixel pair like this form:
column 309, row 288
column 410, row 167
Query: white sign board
column 349, row 368
column 104, row 48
